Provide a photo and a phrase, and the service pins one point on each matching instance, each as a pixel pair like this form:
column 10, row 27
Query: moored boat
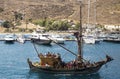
column 115, row 38
column 89, row 40
column 41, row 39
column 110, row 39
column 9, row 38
column 57, row 38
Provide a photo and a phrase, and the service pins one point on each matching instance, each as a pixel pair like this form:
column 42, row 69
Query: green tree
column 58, row 25
column 64, row 25
column 7, row 24
column 51, row 24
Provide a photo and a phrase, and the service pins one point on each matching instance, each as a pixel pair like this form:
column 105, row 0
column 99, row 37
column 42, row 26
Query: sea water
column 13, row 60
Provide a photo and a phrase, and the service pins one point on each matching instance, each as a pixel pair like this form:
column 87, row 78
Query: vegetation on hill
column 51, row 24
column 47, row 13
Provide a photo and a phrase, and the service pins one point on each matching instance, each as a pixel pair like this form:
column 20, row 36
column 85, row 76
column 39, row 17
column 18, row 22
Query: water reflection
column 39, row 75
column 9, row 42
column 45, row 45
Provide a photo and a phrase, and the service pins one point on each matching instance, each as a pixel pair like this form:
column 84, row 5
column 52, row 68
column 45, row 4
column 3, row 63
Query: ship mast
column 79, row 35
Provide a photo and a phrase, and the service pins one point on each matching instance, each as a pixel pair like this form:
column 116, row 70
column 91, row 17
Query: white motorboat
column 40, row 38
column 9, row 38
column 89, row 40
column 112, row 38
column 58, row 39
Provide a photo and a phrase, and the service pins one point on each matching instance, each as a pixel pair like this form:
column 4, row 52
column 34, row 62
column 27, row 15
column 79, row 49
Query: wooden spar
column 63, row 47
column 79, row 37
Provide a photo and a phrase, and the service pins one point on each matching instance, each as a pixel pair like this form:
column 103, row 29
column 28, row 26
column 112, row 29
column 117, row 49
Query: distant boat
column 39, row 38
column 69, row 37
column 9, row 38
column 20, row 39
column 112, row 38
column 89, row 40
column 116, row 40
column 57, row 38
column 53, row 63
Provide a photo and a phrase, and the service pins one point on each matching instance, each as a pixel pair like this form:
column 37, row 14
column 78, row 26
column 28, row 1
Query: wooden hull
column 84, row 70
column 87, row 70
column 72, row 71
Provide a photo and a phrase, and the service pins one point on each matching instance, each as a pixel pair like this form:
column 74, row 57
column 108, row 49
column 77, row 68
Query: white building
column 112, row 27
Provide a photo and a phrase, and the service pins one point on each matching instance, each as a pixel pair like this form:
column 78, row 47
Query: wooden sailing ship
column 52, row 63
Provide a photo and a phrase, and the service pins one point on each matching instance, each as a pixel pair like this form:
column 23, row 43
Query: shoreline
column 64, row 34
column 51, row 32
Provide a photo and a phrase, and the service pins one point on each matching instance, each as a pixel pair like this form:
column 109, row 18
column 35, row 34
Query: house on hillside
column 112, row 27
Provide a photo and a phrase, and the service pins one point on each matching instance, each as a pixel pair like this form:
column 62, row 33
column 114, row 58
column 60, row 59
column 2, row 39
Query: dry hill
column 108, row 11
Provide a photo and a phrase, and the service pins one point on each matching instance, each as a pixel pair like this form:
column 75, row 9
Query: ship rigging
column 53, row 63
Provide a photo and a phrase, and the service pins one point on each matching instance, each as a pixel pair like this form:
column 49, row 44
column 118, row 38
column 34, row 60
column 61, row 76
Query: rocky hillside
column 107, row 11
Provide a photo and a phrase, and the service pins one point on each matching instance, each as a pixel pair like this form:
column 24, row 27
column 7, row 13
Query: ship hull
column 112, row 40
column 87, row 70
column 40, row 41
column 9, row 41
column 72, row 71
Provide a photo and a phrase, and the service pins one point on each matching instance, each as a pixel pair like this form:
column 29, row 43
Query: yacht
column 57, row 38
column 40, row 38
column 112, row 38
column 10, row 38
column 89, row 40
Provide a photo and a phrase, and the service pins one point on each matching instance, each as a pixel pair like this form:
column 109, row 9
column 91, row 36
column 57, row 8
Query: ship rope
column 102, row 51
column 63, row 47
column 64, row 56
column 101, row 47
column 105, row 51
column 97, row 48
column 35, row 48
column 66, row 49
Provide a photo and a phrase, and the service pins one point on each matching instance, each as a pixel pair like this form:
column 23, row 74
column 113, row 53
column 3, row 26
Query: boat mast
column 95, row 12
column 79, row 36
column 89, row 5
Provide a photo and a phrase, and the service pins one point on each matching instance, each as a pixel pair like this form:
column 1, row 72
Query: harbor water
column 13, row 60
